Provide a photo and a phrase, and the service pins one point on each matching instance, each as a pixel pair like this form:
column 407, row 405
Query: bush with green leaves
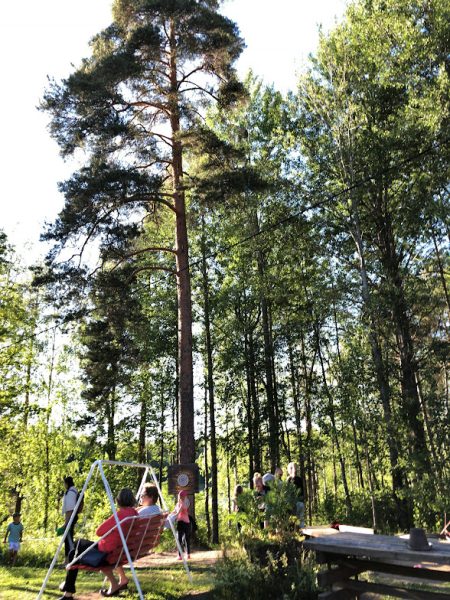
column 237, row 577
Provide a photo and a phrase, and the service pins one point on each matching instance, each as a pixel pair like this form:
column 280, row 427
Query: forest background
column 318, row 229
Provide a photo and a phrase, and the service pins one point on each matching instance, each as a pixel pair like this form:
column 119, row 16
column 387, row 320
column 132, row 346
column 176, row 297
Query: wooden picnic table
column 356, row 553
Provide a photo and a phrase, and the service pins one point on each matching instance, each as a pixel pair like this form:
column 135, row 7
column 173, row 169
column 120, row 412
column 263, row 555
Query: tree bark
column 185, row 375
column 210, row 379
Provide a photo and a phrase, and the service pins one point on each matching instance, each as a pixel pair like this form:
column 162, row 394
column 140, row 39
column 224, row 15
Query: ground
column 161, row 576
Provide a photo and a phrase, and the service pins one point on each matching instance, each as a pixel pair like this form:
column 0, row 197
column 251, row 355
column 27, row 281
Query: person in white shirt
column 69, row 501
column 148, row 506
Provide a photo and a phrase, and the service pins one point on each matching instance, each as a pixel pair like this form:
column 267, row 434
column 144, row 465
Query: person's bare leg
column 108, row 573
column 123, row 579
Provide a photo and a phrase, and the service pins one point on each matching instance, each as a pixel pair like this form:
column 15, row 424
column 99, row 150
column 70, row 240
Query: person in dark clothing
column 297, row 481
column 68, row 505
column 238, row 491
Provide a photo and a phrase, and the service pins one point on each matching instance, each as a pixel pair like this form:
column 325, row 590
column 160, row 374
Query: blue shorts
column 14, row 546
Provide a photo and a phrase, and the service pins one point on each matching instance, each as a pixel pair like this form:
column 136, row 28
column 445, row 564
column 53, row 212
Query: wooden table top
column 385, row 548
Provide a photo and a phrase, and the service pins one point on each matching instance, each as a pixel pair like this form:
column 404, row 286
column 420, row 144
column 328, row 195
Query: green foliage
column 238, row 577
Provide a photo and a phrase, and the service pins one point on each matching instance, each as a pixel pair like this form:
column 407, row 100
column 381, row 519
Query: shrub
column 238, row 578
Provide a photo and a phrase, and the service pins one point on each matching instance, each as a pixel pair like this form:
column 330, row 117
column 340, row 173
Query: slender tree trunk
column 441, row 267
column 256, row 407
column 410, row 398
column 399, row 480
column 308, row 418
column 47, row 465
column 162, row 427
column 358, row 464
column 111, row 432
column 248, row 410
column 205, row 437
column 331, row 414
column 210, row 378
column 274, row 448
column 143, row 424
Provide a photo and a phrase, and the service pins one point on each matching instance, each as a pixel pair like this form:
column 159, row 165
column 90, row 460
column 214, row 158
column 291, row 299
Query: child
column 14, row 534
column 183, row 522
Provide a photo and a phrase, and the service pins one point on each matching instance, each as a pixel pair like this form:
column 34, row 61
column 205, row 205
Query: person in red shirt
column 125, row 502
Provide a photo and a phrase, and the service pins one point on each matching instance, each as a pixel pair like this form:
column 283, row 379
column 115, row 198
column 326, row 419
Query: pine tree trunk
column 185, row 375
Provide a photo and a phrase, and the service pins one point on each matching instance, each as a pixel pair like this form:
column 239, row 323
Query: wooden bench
column 141, row 534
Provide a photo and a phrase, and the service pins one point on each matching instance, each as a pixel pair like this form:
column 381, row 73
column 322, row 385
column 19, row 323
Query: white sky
column 40, row 38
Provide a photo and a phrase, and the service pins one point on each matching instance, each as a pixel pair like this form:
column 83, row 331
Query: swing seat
column 141, row 534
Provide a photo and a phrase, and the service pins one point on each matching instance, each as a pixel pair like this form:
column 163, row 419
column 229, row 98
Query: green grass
column 169, row 583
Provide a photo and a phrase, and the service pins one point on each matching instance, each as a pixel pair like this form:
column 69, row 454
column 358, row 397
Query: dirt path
column 166, row 559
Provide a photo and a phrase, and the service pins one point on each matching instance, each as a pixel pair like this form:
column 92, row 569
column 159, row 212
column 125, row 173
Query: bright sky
column 40, row 38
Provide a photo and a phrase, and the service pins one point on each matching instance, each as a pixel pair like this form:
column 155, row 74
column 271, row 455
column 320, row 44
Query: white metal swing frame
column 98, row 466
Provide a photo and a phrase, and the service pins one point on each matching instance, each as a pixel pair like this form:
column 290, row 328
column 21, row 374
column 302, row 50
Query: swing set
column 138, row 535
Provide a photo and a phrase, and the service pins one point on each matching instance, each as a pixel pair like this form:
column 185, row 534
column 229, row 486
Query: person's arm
column 21, row 533
column 6, row 534
column 177, row 509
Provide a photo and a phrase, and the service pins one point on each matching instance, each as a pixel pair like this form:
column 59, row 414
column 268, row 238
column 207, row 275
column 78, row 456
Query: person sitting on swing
column 125, row 502
column 148, row 507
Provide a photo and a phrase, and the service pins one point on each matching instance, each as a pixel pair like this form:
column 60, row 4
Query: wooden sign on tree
column 183, row 477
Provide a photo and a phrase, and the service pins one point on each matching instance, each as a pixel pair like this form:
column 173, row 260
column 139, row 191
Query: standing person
column 69, row 501
column 260, row 492
column 14, row 535
column 238, row 491
column 297, row 481
column 278, row 473
column 181, row 513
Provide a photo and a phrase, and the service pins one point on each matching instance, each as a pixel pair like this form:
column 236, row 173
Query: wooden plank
column 390, row 590
column 383, row 547
column 353, row 529
column 336, row 595
column 391, row 569
column 319, row 531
